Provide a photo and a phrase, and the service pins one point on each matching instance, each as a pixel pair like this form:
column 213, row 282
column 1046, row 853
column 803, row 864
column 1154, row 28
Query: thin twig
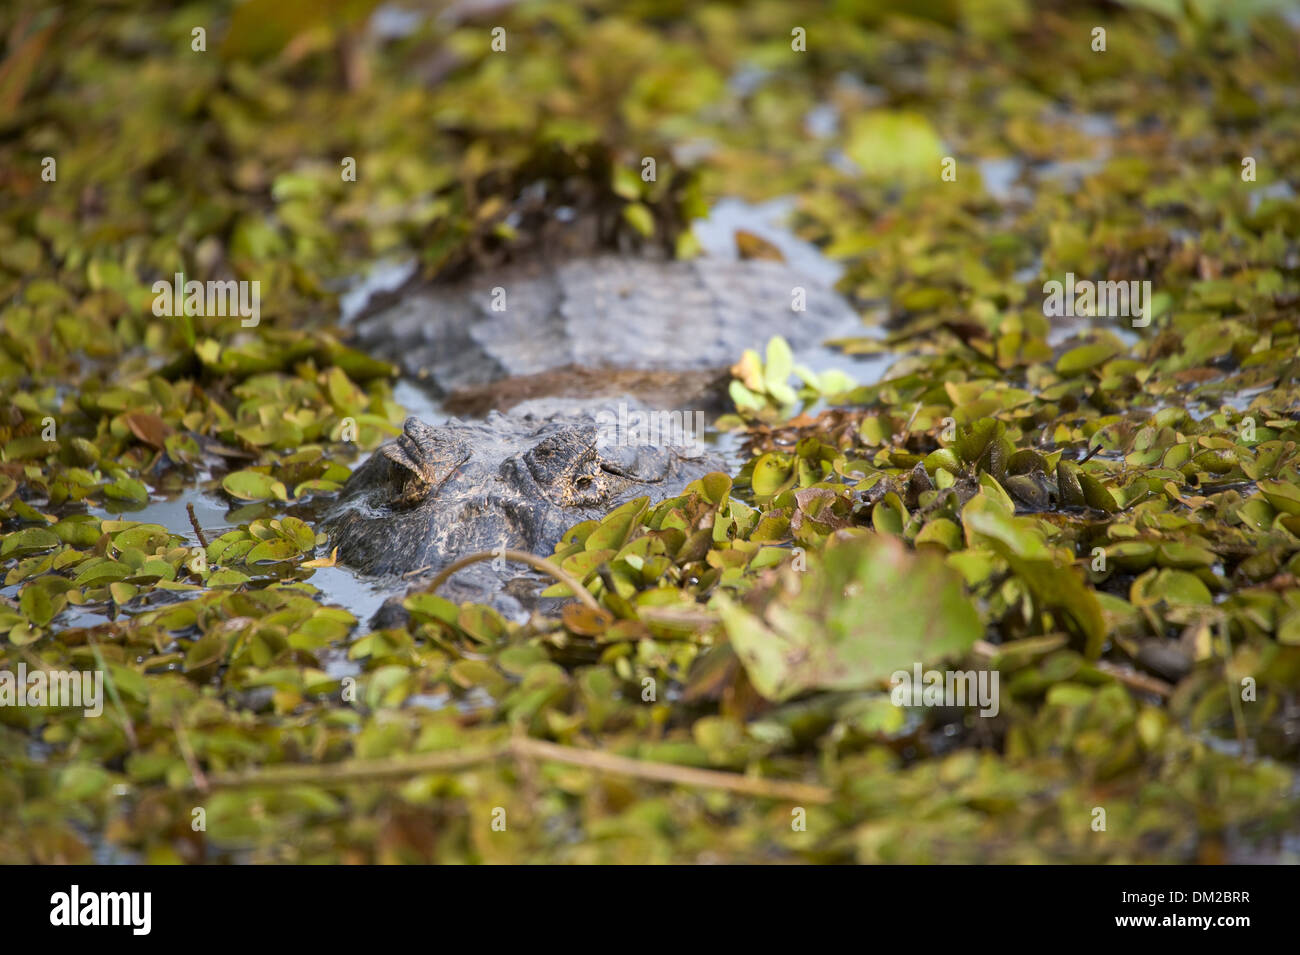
column 1129, row 677
column 127, row 726
column 900, row 437
column 34, row 660
column 527, row 767
column 187, row 754
column 194, row 523
column 1234, row 692
column 910, row 421
column 359, row 770
column 601, row 761
column 369, row 771
column 1088, row 457
column 678, row 616
column 1136, row 680
column 523, row 557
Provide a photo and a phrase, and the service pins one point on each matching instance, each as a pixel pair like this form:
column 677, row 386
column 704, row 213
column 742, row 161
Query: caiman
column 519, row 480
column 666, row 331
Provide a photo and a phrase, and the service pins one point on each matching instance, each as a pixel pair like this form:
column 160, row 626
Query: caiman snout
column 437, row 493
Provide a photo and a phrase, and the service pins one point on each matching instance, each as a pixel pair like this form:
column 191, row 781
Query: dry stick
column 915, row 411
column 359, row 770
column 1234, row 692
column 187, row 754
column 34, row 660
column 1136, row 680
column 678, row 616
column 523, row 557
column 901, row 437
column 527, row 767
column 127, row 726
column 601, row 761
column 194, row 523
column 369, row 771
column 1131, row 678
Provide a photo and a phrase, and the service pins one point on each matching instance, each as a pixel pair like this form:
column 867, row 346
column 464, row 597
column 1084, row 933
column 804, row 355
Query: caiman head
column 436, row 494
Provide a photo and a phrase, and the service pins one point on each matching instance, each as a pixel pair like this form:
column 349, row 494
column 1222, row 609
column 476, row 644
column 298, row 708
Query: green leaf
column 779, row 364
column 889, row 146
column 100, row 571
column 254, row 486
column 772, row 474
column 28, row 541
column 36, row 604
column 1054, row 585
column 80, row 782
column 1285, row 497
column 615, row 528
column 868, row 609
column 272, row 550
column 640, row 218
column 1086, row 357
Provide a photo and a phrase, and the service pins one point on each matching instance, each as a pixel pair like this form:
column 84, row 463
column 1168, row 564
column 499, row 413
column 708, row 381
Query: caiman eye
column 558, row 457
column 568, row 469
column 583, row 489
column 408, row 489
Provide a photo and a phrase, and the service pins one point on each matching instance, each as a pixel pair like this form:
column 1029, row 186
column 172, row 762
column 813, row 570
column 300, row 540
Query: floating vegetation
column 1089, row 494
